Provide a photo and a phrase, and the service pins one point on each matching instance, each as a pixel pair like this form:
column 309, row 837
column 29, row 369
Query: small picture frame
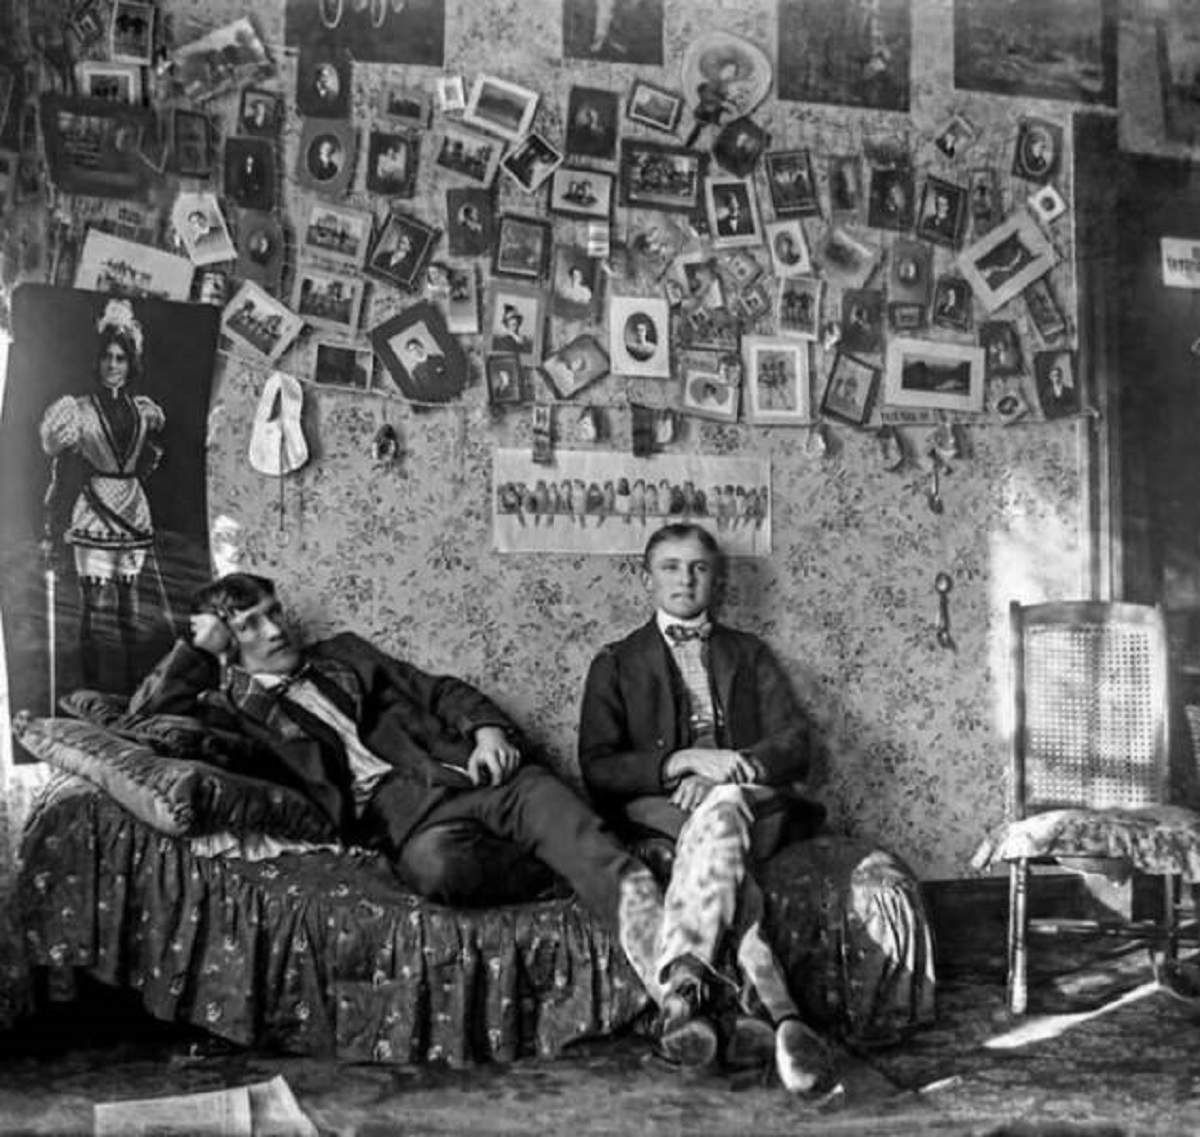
column 325, row 158
column 952, row 304
column 639, row 336
column 131, row 33
column 405, row 105
column 456, row 288
column 1001, row 349
column 522, row 246
column 655, row 175
column 1057, row 383
column 798, row 306
column 847, row 255
column 260, row 113
column 776, row 381
column 906, row 317
column 862, row 321
column 531, row 161
column 1004, row 262
column 328, row 300
column 710, row 384
column 984, row 200
column 223, row 60
column 468, row 154
column 788, row 244
column 890, row 198
column 401, row 251
column 323, row 83
column 850, row 389
column 250, row 172
column 739, row 146
column 211, row 286
column 451, row 94
column 791, row 184
column 191, row 143
column 425, row 362
column 505, row 379
column 741, row 267
column 343, row 365
column 574, row 366
column 500, row 107
column 260, row 249
column 575, row 288
column 200, row 225
column 576, row 191
column 1044, row 310
column 845, row 187
column 934, row 373
column 516, row 321
column 942, row 216
column 97, row 79
column 654, row 106
column 392, row 158
column 910, row 274
column 470, row 221
column 260, row 322
column 732, row 208
column 955, row 136
column 592, row 123
column 337, row 236
column 1046, row 204
column 1037, row 155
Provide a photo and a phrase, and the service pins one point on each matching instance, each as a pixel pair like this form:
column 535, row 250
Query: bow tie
column 681, row 633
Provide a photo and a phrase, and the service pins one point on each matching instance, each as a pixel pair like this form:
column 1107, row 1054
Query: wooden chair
column 1090, row 773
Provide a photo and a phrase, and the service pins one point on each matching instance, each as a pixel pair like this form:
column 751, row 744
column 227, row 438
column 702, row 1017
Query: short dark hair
column 232, row 593
column 680, row 531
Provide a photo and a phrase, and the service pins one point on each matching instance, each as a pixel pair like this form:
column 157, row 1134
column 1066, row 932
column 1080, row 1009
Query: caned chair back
column 1091, row 706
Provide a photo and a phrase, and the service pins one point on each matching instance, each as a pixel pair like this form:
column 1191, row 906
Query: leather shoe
column 802, row 1059
column 688, row 1037
column 751, row 1044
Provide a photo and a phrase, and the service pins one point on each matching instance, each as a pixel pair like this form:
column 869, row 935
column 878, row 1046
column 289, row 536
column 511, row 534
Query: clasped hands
column 699, row 770
column 494, row 760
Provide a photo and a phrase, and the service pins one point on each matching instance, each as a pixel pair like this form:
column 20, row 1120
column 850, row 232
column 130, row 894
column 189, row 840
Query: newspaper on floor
column 265, row 1109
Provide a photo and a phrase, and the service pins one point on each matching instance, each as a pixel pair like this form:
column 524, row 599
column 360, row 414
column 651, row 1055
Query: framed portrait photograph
column 335, row 234
column 470, row 221
column 343, row 365
column 505, row 379
column 639, row 336
column 97, row 79
column 201, row 226
column 934, row 373
column 131, row 33
column 249, row 172
column 260, row 249
column 401, row 251
column 515, row 320
column 791, row 184
column 211, row 286
column 845, row 187
column 890, row 198
column 325, row 158
column 788, row 244
column 1044, row 310
column 522, row 246
column 1004, row 262
column 531, row 161
column 952, row 304
column 579, row 192
column 1002, row 355
column 798, row 306
column 655, row 175
column 450, row 93
column 501, row 108
column 260, row 113
column 328, row 300
column 392, row 162
column 710, row 384
column 575, row 284
column 910, row 272
column 1037, row 155
column 983, row 200
column 468, row 154
column 1057, row 383
column 732, row 208
column 323, row 82
column 456, row 288
column 405, row 105
column 592, row 122
column 739, row 146
column 955, row 135
column 425, row 362
column 654, row 106
column 575, row 365
column 191, row 143
column 260, row 322
column 850, row 389
column 776, row 381
column 942, row 215
column 862, row 321
column 906, row 317
column 593, row 30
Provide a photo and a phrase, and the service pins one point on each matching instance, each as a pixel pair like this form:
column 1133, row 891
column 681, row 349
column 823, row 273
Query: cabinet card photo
column 776, row 381
column 639, row 336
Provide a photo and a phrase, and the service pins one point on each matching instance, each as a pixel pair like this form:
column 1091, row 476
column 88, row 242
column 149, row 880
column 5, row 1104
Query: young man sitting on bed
column 423, row 767
column 690, row 735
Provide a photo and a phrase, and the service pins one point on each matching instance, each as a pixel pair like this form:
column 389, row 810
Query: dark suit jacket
column 422, row 725
column 635, row 714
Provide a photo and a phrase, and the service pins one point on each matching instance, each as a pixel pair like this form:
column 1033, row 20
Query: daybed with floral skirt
column 150, row 871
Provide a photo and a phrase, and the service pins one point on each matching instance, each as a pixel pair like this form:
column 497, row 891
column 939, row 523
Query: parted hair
column 680, row 531
column 232, row 593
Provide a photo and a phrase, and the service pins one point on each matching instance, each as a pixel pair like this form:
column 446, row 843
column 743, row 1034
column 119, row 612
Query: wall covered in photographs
column 816, row 175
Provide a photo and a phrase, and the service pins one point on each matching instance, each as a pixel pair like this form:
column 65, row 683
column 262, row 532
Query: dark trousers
column 474, row 848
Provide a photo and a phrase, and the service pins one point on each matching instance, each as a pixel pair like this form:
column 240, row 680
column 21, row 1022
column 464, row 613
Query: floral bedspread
column 323, row 953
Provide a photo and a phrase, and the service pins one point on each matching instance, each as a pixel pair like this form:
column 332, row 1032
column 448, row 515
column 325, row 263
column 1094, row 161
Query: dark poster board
column 379, row 31
column 56, row 353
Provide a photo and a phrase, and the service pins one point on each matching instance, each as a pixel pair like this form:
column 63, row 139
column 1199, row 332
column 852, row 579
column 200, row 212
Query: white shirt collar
column 663, row 619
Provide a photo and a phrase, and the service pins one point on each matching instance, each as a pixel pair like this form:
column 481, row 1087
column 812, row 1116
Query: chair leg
column 1171, row 917
column 1018, row 925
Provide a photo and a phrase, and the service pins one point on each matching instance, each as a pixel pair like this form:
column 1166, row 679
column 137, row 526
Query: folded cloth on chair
column 1153, row 839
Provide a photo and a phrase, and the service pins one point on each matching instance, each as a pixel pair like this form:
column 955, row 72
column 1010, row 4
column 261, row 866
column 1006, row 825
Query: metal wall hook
column 942, row 585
